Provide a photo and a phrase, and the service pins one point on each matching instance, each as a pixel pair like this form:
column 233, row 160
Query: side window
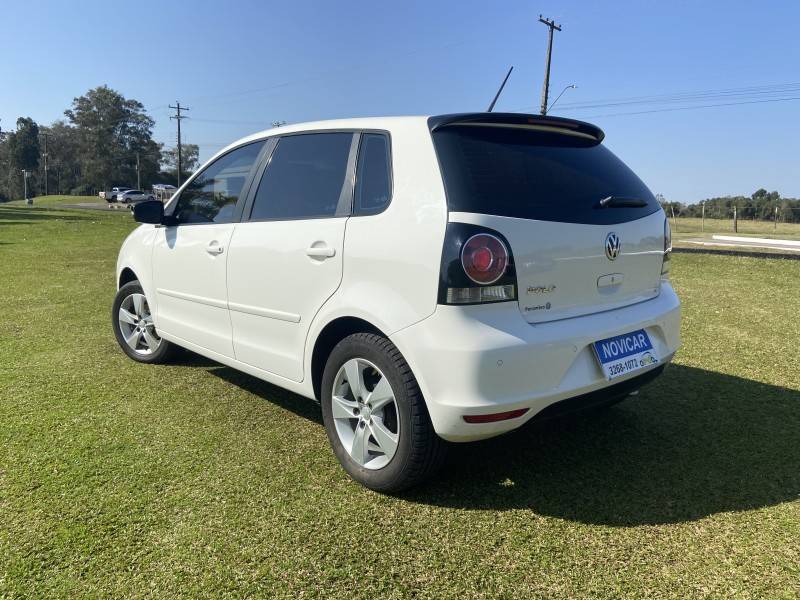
column 305, row 178
column 373, row 176
column 211, row 196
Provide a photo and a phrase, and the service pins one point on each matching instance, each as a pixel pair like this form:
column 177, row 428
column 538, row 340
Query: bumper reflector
column 494, row 417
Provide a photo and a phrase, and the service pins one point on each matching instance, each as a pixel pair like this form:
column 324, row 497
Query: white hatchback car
column 426, row 279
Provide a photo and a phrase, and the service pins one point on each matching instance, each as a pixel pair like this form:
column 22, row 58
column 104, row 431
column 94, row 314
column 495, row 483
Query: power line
column 229, row 121
column 669, row 98
column 225, row 97
column 679, row 108
column 687, row 95
column 178, row 117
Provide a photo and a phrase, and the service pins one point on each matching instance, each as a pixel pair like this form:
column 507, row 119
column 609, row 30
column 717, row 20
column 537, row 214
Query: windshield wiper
column 620, row 202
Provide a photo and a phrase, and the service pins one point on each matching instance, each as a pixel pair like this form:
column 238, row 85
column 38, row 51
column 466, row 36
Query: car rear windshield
column 534, row 174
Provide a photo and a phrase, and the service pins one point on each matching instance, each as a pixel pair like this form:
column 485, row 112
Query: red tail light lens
column 484, row 258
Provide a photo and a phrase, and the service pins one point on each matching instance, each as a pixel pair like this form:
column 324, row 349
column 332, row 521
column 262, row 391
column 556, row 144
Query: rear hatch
column 585, row 233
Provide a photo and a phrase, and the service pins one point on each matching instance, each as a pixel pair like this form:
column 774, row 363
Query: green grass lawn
column 124, row 480
column 54, row 201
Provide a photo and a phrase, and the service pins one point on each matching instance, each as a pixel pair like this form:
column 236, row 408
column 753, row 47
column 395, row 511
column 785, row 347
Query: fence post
column 674, row 224
column 703, row 222
column 776, row 218
column 735, row 221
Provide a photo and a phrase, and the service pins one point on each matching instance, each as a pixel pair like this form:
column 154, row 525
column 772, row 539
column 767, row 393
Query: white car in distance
column 131, row 196
column 426, row 279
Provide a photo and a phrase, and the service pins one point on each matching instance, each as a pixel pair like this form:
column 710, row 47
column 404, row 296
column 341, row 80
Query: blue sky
column 240, row 65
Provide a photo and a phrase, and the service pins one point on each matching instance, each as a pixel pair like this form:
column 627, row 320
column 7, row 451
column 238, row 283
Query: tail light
column 477, row 266
column 484, row 258
column 667, row 249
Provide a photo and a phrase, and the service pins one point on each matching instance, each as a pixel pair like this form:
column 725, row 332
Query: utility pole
column 44, row 135
column 551, row 25
column 138, row 181
column 25, row 186
column 177, row 116
column 703, row 221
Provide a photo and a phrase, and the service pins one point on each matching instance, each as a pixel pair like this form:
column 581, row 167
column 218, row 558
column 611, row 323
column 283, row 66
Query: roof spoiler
column 541, row 122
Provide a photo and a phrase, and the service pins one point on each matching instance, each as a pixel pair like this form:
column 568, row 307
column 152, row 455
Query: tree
column 22, row 152
column 670, row 207
column 111, row 130
column 190, row 157
column 63, row 156
column 23, row 144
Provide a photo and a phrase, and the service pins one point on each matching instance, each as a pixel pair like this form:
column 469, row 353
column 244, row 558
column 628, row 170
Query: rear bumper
column 474, row 360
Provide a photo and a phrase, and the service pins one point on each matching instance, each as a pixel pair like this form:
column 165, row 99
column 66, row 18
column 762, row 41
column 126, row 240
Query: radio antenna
column 502, row 85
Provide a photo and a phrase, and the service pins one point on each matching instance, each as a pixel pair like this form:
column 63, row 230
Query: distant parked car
column 131, row 196
column 112, row 195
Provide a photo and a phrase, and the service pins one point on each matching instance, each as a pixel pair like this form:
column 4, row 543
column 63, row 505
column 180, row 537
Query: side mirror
column 149, row 211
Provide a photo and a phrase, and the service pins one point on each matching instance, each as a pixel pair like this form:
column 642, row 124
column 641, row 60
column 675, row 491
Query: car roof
column 430, row 122
column 388, row 123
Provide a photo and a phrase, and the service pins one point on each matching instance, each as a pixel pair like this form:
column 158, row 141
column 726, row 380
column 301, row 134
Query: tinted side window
column 373, row 177
column 305, row 178
column 211, row 196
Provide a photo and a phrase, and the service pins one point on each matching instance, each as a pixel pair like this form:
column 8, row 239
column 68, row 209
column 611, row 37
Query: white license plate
column 623, row 354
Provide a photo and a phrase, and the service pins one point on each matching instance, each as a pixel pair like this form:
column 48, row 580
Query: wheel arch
column 330, row 335
column 126, row 276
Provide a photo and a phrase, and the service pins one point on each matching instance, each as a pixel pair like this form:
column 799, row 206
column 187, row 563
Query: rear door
column 585, row 232
column 189, row 257
column 286, row 254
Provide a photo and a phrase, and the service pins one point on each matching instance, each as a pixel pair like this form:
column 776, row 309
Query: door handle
column 321, row 251
column 215, row 248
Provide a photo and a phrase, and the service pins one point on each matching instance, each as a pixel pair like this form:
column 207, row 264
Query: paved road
column 759, row 243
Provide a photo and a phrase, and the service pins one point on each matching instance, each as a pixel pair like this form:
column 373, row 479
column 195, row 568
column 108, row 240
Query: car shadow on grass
column 692, row 444
column 302, row 407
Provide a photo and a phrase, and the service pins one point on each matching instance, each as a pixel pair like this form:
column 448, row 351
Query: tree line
column 761, row 205
column 105, row 140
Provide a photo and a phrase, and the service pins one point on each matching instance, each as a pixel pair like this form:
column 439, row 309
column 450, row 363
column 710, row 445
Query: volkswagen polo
column 426, row 279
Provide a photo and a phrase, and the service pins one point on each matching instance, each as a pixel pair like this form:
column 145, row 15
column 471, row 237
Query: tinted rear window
column 522, row 173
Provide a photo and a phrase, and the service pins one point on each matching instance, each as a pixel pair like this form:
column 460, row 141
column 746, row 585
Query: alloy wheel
column 365, row 413
column 136, row 325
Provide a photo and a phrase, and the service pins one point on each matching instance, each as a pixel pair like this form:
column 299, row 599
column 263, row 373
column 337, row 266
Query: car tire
column 354, row 430
column 134, row 329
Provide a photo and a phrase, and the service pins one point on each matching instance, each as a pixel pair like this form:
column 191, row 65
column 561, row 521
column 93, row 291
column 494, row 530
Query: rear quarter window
column 373, row 175
column 531, row 174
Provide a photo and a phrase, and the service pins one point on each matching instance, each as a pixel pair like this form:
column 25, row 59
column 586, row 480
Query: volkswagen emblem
column 612, row 246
